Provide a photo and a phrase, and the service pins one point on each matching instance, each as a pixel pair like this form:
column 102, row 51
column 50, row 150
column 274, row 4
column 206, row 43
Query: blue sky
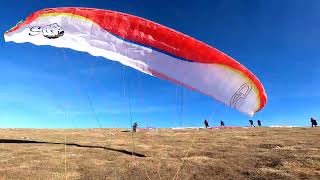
column 277, row 40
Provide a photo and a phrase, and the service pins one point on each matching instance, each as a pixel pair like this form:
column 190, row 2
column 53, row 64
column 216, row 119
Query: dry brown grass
column 243, row 153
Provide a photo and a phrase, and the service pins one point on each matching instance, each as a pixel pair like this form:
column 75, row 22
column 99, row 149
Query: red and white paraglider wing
column 148, row 47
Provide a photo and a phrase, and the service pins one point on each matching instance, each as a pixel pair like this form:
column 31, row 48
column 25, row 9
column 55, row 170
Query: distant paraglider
column 148, row 47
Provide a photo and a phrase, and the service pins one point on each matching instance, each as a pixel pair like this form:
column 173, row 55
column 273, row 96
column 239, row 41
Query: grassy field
column 238, row 153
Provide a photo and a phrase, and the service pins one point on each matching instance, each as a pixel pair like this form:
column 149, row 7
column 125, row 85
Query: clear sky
column 277, row 40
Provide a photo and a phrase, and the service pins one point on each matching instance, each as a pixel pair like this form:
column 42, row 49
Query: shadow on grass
column 18, row 141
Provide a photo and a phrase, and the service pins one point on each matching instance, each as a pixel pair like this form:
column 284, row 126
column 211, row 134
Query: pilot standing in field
column 259, row 123
column 314, row 122
column 206, row 123
column 251, row 123
column 134, row 127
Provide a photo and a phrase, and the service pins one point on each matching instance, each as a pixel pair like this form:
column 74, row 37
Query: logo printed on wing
column 241, row 93
column 51, row 31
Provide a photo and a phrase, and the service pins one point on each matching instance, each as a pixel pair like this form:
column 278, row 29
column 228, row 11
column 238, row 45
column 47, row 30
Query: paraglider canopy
column 148, row 47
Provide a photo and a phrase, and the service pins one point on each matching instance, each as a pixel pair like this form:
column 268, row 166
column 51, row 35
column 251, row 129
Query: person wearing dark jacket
column 206, row 123
column 259, row 123
column 314, row 122
column 134, row 127
column 221, row 123
column 251, row 123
